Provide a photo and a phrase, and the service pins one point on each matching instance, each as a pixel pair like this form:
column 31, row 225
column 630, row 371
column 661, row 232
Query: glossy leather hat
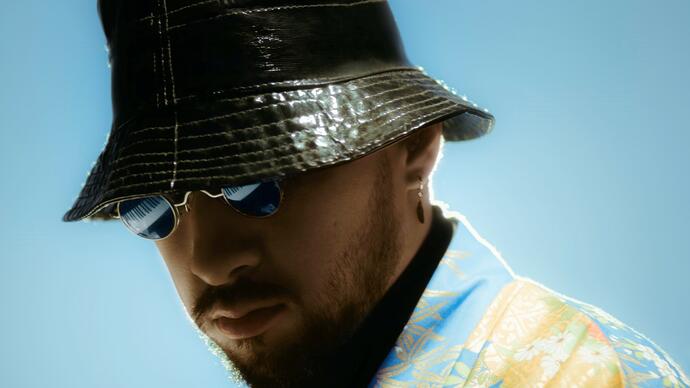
column 222, row 92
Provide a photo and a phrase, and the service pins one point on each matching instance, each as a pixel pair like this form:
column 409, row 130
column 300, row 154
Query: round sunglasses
column 156, row 217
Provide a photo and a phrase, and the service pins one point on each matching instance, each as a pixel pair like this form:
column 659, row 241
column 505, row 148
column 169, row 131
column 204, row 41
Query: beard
column 359, row 279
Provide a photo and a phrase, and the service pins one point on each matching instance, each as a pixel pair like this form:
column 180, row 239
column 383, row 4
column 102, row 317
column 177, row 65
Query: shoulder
column 642, row 362
column 533, row 336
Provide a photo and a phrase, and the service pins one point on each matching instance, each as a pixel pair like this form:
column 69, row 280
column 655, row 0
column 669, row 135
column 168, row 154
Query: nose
column 217, row 268
column 223, row 245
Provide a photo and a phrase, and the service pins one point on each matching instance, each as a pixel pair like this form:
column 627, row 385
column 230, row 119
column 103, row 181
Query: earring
column 420, row 208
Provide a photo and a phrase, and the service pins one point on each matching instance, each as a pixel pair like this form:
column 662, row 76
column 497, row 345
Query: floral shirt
column 479, row 325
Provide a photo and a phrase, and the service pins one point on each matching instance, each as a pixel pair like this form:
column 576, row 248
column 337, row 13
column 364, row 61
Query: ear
column 422, row 151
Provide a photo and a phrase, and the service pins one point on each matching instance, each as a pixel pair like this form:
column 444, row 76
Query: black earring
column 420, row 208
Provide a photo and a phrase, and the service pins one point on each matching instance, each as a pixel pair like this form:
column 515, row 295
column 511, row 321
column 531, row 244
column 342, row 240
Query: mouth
column 250, row 324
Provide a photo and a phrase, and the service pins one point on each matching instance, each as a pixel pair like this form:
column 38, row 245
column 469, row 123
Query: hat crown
column 169, row 52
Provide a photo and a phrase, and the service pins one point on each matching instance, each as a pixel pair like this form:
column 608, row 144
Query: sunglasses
column 156, row 217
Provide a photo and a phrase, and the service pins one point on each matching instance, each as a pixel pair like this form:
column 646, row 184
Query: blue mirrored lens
column 256, row 199
column 150, row 217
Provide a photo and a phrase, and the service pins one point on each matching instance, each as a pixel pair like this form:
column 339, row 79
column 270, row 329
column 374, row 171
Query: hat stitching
column 315, row 82
column 273, row 149
column 276, row 148
column 354, row 155
column 236, row 131
column 167, row 38
column 155, row 77
column 192, row 5
column 287, row 120
column 389, row 76
column 172, row 82
column 172, row 182
column 188, row 161
column 164, row 83
column 196, row 160
column 120, row 159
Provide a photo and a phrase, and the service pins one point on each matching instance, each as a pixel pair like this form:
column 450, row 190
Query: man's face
column 294, row 285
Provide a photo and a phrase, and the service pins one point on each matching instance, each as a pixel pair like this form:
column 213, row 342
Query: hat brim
column 209, row 143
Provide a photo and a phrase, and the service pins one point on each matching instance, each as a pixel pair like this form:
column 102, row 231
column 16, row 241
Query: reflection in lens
column 150, row 217
column 256, row 199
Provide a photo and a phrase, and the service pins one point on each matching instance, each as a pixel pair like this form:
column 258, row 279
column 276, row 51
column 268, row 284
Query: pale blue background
column 583, row 185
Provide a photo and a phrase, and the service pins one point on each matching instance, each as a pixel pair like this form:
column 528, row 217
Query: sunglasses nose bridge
column 188, row 199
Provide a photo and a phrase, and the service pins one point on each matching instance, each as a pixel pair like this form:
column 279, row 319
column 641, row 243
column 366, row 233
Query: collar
column 467, row 279
column 379, row 331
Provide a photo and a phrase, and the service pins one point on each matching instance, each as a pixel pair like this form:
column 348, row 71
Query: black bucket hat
column 226, row 92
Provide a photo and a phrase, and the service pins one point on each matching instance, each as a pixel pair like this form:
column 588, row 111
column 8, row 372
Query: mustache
column 243, row 290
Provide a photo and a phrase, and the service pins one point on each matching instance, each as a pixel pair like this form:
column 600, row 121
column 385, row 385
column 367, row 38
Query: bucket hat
column 213, row 93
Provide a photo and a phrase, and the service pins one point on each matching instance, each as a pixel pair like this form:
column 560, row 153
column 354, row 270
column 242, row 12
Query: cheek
column 183, row 279
column 306, row 256
column 310, row 245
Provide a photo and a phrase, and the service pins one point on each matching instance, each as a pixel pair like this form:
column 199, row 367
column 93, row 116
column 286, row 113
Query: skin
column 340, row 239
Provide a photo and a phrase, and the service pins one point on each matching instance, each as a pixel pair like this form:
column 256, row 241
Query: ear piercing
column 420, row 208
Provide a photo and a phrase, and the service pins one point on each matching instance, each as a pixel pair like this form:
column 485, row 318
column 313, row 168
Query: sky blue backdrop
column 583, row 185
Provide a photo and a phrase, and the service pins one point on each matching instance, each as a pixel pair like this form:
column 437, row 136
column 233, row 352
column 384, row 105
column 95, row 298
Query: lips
column 249, row 324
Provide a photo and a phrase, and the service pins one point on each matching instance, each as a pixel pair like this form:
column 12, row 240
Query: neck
column 413, row 235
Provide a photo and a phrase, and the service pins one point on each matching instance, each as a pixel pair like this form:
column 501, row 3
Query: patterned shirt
column 477, row 324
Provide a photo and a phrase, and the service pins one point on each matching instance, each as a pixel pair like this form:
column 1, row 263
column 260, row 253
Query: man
column 279, row 154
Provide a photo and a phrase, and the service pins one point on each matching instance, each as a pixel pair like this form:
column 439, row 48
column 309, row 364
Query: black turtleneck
column 378, row 333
